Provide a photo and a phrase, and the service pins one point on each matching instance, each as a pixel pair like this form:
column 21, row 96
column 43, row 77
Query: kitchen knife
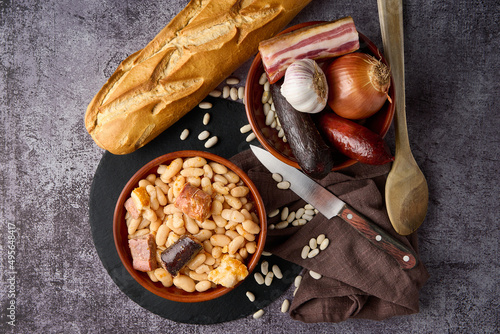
column 330, row 206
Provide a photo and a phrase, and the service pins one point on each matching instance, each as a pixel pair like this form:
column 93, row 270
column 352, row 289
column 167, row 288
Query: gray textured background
column 55, row 55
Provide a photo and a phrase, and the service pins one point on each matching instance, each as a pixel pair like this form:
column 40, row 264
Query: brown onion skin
column 354, row 140
column 351, row 95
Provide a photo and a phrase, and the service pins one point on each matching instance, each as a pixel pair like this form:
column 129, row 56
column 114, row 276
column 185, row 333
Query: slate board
column 112, row 174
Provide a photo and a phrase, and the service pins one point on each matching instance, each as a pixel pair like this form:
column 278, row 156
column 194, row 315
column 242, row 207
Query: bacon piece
column 319, row 41
column 143, row 251
column 131, row 208
column 194, row 202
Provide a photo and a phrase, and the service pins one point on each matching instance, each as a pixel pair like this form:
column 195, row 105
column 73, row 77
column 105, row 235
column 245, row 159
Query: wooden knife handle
column 403, row 255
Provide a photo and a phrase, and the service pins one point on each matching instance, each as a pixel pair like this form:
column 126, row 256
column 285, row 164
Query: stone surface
column 55, row 55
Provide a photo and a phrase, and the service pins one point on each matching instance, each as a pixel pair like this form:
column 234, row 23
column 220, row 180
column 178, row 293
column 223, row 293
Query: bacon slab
column 319, row 41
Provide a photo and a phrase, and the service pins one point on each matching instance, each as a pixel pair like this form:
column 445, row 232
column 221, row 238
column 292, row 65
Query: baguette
column 202, row 45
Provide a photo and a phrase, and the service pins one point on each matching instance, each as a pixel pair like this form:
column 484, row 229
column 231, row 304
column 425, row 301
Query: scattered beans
column 250, row 296
column 232, row 81
column 250, row 137
column 265, row 253
column 215, row 93
column 258, row 314
column 233, row 93
column 184, row 134
column 241, row 92
column 206, row 118
column 313, row 253
column 320, row 238
column 269, row 278
column 211, row 142
column 277, row 271
column 225, row 92
column 285, row 306
column 204, row 135
column 305, row 252
column 314, row 274
column 324, row 244
column 273, row 213
column 297, row 281
column 313, row 243
column 205, row 105
column 246, row 128
column 259, row 278
column 277, row 177
column 283, row 185
column 264, row 267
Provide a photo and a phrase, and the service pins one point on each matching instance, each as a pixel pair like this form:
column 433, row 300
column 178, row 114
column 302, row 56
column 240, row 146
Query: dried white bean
column 258, row 314
column 250, row 137
column 265, row 96
column 307, row 217
column 259, row 278
column 285, row 306
column 284, row 213
column 267, row 86
column 225, row 92
column 282, row 225
column 265, row 253
column 313, row 243
column 264, row 267
column 324, row 244
column 284, row 185
column 233, row 93
column 246, row 128
column 315, row 275
column 297, row 281
column 204, row 135
column 305, row 252
column 291, row 217
column 269, row 117
column 299, row 213
column 211, row 142
column 277, row 177
column 320, row 238
column 273, row 213
column 310, row 212
column 205, row 105
column 215, row 93
column 206, row 118
column 266, row 107
column 308, row 207
column 277, row 271
column 269, row 278
column 272, row 227
column 313, row 253
column 241, row 92
column 263, row 79
column 250, row 296
column 184, row 134
column 232, row 81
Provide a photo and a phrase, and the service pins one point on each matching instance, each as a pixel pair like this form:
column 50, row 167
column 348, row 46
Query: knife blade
column 331, row 206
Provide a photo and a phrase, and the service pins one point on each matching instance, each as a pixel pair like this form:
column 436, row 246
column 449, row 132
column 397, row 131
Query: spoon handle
column 391, row 27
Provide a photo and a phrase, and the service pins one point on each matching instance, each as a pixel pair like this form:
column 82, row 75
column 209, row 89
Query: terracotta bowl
column 268, row 136
column 120, row 232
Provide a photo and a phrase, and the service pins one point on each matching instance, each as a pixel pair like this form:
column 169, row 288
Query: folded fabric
column 358, row 280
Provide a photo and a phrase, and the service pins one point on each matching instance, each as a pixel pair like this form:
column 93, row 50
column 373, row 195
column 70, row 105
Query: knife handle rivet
column 406, row 258
column 349, row 216
column 378, row 237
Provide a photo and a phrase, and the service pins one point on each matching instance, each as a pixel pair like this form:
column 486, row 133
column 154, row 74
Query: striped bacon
column 319, row 41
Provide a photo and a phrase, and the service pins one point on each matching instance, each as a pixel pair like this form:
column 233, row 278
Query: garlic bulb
column 305, row 86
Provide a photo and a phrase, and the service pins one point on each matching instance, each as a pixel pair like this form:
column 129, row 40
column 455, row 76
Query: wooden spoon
column 406, row 191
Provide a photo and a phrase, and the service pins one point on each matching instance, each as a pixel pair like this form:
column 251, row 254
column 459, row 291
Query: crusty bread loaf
column 197, row 50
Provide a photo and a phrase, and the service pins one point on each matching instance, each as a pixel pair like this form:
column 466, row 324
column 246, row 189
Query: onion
column 358, row 85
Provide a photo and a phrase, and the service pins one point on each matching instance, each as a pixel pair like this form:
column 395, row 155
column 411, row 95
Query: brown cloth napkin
column 359, row 280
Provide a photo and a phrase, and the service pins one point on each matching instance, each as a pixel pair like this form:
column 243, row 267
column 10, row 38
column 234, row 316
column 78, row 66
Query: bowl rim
column 256, row 63
column 142, row 277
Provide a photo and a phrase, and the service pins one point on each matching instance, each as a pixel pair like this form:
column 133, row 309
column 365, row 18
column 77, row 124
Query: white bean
column 233, row 93
column 285, row 306
column 258, row 278
column 263, row 79
column 205, row 105
column 184, row 134
column 315, row 275
column 225, row 92
column 313, row 253
column 273, row 213
column 277, row 177
column 284, row 213
column 185, row 283
column 258, row 314
column 264, row 267
column 246, row 128
column 250, row 137
column 277, row 271
column 297, row 281
column 320, row 238
column 206, row 118
column 305, row 252
column 232, row 81
column 250, row 296
column 241, row 92
column 204, row 135
column 282, row 225
column 211, row 142
column 324, row 244
column 283, row 185
column 269, row 278
column 215, row 93
column 313, row 243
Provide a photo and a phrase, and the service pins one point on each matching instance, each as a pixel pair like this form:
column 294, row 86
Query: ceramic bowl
column 268, row 136
column 120, row 232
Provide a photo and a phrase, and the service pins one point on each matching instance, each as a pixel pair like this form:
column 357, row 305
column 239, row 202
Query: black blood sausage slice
column 175, row 257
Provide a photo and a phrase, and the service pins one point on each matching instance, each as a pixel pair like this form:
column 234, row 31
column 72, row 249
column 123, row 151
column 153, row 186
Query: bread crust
column 156, row 86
